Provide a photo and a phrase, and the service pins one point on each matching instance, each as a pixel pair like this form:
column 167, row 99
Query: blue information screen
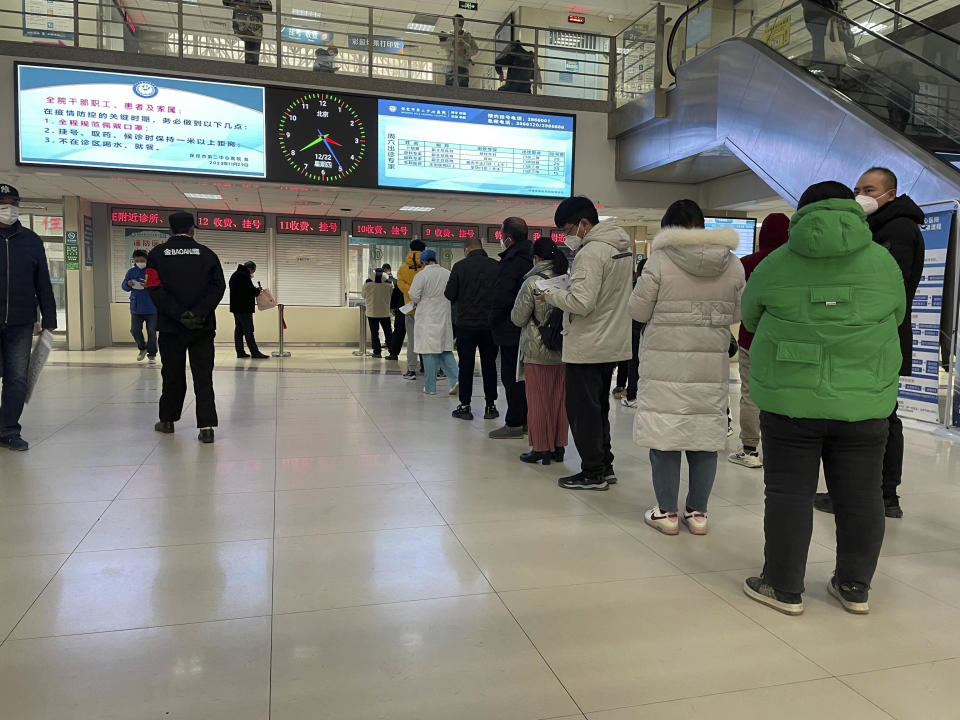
column 429, row 146
column 86, row 118
column 745, row 228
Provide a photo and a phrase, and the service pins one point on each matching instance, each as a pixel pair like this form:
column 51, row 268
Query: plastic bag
column 266, row 300
column 38, row 358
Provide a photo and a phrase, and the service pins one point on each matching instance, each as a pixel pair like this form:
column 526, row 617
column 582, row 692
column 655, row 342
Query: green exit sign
column 467, row 5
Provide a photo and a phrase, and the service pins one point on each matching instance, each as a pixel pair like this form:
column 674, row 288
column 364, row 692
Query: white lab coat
column 434, row 333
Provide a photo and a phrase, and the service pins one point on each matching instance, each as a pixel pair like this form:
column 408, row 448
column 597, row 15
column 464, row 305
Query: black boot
column 537, row 457
column 558, row 454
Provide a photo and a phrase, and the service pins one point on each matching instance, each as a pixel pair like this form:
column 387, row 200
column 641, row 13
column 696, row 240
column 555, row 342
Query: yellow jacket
column 406, row 274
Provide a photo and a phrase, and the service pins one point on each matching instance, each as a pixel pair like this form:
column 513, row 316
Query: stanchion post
column 281, row 353
column 362, row 349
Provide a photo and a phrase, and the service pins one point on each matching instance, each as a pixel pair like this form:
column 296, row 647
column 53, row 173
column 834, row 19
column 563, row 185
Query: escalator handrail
column 835, row 13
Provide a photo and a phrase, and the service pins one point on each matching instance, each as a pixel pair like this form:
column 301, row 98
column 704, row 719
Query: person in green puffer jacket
column 824, row 368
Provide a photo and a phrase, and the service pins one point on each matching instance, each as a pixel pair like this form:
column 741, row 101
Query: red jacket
column 773, row 234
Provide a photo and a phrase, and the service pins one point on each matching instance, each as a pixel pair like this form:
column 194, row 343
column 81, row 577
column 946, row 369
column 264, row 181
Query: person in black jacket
column 24, row 284
column 185, row 282
column 399, row 332
column 470, row 287
column 516, row 261
column 243, row 301
column 895, row 222
column 521, row 66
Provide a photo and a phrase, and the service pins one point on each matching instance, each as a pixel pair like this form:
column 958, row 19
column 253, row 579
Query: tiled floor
column 346, row 550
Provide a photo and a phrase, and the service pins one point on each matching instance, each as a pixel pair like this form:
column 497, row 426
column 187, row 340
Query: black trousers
column 174, row 348
column 852, row 455
column 251, row 52
column 469, row 340
column 243, row 330
column 893, row 458
column 516, row 392
column 399, row 332
column 588, row 410
column 375, row 325
column 628, row 371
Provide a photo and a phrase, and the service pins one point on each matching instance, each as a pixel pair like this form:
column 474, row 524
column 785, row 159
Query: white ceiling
column 40, row 186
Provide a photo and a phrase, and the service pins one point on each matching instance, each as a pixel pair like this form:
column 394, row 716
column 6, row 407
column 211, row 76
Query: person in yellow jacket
column 405, row 275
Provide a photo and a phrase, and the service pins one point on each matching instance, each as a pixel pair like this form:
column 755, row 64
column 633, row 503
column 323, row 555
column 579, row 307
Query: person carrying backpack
column 540, row 354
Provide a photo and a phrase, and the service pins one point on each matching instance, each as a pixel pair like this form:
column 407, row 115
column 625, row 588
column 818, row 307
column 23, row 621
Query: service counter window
column 233, row 248
column 309, row 270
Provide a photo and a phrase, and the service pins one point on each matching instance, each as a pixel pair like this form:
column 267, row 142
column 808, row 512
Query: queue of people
column 824, row 306
column 826, row 289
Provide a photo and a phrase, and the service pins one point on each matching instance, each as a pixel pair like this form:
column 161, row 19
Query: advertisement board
column 919, row 395
column 96, row 119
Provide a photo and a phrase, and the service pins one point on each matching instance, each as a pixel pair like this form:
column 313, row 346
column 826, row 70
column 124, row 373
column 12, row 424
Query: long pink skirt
column 546, row 406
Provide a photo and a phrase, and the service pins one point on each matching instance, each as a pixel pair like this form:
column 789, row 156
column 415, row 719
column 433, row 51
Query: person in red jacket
column 773, row 234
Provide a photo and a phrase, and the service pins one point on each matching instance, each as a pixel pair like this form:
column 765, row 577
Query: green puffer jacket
column 825, row 309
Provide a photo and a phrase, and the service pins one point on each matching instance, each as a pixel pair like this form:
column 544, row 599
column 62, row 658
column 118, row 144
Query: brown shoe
column 164, row 427
column 206, row 436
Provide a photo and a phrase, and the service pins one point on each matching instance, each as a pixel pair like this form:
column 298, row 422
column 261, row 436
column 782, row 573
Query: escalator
column 773, row 98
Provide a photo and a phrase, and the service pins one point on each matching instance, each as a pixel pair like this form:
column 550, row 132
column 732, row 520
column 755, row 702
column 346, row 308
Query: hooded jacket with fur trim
column 689, row 296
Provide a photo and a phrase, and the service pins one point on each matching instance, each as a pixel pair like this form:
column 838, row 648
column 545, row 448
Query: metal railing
column 344, row 38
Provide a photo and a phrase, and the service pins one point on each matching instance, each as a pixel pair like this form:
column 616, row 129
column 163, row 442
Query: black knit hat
column 181, row 222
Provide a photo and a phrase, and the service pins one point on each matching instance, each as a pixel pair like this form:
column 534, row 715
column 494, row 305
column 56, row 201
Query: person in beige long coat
column 689, row 295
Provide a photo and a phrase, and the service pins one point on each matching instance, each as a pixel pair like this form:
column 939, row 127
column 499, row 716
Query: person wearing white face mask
column 142, row 310
column 596, row 333
column 24, row 285
column 895, row 223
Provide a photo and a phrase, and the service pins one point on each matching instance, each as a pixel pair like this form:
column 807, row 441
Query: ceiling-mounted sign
column 238, row 222
column 390, row 44
column 394, row 229
column 139, row 217
column 448, row 232
column 308, row 225
column 577, row 19
column 469, row 5
column 306, row 36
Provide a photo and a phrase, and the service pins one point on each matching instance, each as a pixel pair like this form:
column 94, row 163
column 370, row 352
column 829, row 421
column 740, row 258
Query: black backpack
column 551, row 329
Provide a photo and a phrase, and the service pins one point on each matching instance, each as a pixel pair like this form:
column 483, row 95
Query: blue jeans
column 430, row 364
column 15, row 344
column 136, row 329
column 666, row 478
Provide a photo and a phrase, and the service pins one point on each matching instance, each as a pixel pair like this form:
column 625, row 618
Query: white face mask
column 141, row 265
column 869, row 204
column 9, row 214
column 574, row 242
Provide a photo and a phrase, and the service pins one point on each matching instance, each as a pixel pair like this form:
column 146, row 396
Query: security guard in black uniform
column 185, row 282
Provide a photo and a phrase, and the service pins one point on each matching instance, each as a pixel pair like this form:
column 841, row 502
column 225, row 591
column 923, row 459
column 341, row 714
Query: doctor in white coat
column 434, row 337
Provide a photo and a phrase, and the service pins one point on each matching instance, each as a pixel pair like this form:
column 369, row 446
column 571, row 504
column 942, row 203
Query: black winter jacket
column 896, row 226
column 25, row 279
column 184, row 275
column 243, row 293
column 471, row 287
column 515, row 262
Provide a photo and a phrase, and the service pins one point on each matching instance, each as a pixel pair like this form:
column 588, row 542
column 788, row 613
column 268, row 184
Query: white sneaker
column 141, row 355
column 429, row 392
column 455, row 390
column 696, row 522
column 747, row 459
column 628, row 403
column 667, row 523
column 152, row 359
